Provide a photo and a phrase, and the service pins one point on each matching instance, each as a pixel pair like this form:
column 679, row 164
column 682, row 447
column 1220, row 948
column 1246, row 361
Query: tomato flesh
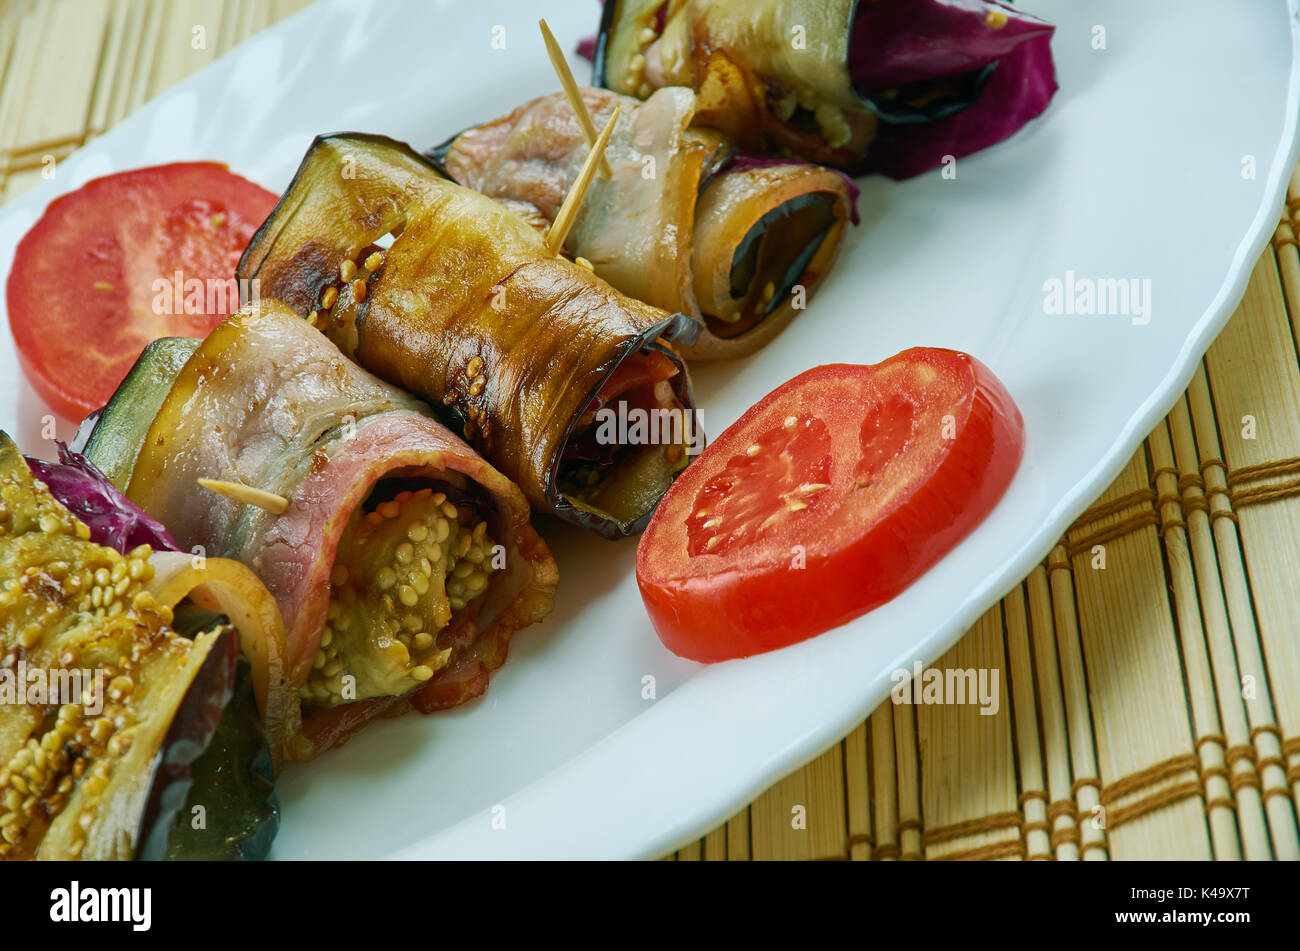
column 121, row 261
column 826, row 499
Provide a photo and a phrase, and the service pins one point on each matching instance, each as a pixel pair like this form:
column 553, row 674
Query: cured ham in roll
column 516, row 347
column 682, row 223
column 401, row 560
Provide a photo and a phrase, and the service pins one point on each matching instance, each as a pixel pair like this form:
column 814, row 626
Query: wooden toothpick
column 568, row 212
column 562, row 70
column 275, row 504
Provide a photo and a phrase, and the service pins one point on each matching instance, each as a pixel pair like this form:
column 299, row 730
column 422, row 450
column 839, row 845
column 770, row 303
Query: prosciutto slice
column 679, row 224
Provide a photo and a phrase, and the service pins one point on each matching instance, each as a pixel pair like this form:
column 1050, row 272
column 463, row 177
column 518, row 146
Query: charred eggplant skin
column 609, row 17
column 187, row 739
column 466, row 284
column 232, row 780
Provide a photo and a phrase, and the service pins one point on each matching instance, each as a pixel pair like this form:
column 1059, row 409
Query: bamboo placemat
column 1150, row 686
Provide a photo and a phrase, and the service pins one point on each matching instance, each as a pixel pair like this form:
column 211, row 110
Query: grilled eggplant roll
column 517, row 348
column 681, row 224
column 403, row 561
column 132, row 700
column 863, row 85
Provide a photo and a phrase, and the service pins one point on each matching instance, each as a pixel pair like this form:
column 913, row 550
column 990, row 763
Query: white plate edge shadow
column 464, row 839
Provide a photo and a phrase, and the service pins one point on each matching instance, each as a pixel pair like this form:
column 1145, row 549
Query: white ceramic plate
column 1135, row 172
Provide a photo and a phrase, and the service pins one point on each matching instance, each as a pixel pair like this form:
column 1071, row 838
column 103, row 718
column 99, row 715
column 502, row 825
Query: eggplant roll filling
column 402, row 561
column 98, row 766
column 510, row 343
column 828, row 80
column 683, row 223
column 407, row 570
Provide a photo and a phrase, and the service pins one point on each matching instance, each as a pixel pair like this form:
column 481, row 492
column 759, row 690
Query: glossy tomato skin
column 83, row 296
column 740, row 609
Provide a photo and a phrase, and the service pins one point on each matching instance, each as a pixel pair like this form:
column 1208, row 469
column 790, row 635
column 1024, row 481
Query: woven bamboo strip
column 1032, row 798
column 1199, row 680
column 966, row 757
column 802, row 816
column 715, row 845
column 122, row 40
column 1052, row 718
column 49, row 116
column 1252, row 372
column 190, row 37
column 1241, row 617
column 28, row 25
column 1214, row 614
column 738, row 837
column 907, row 756
column 857, row 793
column 884, row 784
column 1131, row 653
column 1085, row 788
column 8, row 35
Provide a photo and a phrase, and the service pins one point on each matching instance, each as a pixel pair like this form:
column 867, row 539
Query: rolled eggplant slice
column 737, row 243
column 825, row 79
column 510, row 343
column 400, row 549
column 122, row 693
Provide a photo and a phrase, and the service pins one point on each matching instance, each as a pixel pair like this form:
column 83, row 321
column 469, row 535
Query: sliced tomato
column 95, row 279
column 825, row 499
